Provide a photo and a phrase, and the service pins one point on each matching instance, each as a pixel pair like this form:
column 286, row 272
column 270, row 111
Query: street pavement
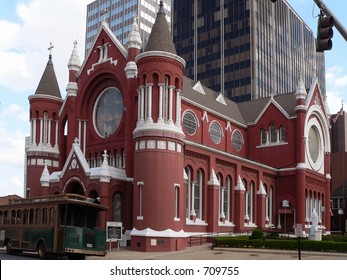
column 204, row 252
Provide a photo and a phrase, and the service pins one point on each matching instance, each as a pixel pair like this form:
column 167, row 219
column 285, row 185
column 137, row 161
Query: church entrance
column 75, row 187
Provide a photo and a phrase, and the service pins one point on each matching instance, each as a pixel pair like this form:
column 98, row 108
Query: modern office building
column 171, row 158
column 339, row 171
column 119, row 14
column 246, row 49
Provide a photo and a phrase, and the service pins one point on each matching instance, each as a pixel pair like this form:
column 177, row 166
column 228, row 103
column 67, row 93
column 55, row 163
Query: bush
column 257, row 234
column 281, row 244
column 273, row 235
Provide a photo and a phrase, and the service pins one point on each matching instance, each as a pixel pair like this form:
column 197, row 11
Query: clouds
column 336, row 80
column 24, row 40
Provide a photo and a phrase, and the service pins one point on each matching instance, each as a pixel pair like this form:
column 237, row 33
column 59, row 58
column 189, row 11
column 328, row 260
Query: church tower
column 43, row 150
column 159, row 196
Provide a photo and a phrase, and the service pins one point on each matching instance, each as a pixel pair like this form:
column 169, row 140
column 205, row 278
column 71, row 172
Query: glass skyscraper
column 246, row 49
column 119, row 16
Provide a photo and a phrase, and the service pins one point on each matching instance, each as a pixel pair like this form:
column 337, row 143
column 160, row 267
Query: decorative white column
column 171, row 88
column 178, row 107
column 84, row 137
column 161, row 88
column 56, row 133
column 149, row 103
column 142, row 104
column 49, row 133
column 41, row 131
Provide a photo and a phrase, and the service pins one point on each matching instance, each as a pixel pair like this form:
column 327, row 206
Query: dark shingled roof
column 230, row 110
column 160, row 37
column 48, row 84
column 252, row 109
column 244, row 113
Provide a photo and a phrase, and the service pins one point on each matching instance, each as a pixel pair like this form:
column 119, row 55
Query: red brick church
column 170, row 157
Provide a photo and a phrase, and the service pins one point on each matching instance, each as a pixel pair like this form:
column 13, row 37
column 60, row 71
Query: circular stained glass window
column 189, row 123
column 108, row 112
column 237, row 140
column 314, row 143
column 215, row 132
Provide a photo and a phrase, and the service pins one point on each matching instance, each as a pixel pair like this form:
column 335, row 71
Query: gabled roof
column 210, row 101
column 104, row 27
column 160, row 38
column 48, row 84
column 253, row 109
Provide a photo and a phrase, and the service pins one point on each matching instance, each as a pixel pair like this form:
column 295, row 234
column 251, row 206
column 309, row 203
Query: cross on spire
column 104, row 14
column 50, row 50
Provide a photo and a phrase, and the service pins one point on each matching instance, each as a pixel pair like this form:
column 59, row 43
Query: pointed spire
column 105, row 174
column 160, row 37
column 134, row 38
column 74, row 61
column 48, row 84
column 44, row 180
column 213, row 180
column 300, row 92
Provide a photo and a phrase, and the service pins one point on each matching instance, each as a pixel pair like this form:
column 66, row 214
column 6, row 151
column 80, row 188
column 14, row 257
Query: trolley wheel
column 41, row 250
column 9, row 247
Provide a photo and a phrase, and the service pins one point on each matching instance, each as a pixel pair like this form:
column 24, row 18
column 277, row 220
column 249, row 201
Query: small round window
column 108, row 111
column 189, row 123
column 215, row 132
column 237, row 140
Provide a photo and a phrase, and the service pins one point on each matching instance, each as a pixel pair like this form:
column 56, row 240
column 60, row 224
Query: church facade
column 170, row 157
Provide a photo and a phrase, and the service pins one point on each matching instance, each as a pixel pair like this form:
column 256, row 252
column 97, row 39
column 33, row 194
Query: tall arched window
column 198, row 187
column 273, row 133
column 282, row 133
column 269, row 198
column 188, row 191
column 117, row 208
column 45, row 127
column 263, row 135
column 227, row 198
column 249, row 201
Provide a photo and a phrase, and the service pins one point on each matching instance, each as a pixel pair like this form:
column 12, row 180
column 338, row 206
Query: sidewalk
column 204, row 252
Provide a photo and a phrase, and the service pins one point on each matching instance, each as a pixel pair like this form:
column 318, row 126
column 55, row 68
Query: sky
column 28, row 26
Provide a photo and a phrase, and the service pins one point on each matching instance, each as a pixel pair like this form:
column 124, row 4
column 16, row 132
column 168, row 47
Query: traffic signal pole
column 323, row 7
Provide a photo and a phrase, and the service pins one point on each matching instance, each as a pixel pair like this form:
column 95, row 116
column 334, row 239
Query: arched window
column 227, row 198
column 273, row 133
column 282, row 133
column 188, row 191
column 198, row 194
column 263, row 135
column 249, row 202
column 269, row 198
column 117, row 208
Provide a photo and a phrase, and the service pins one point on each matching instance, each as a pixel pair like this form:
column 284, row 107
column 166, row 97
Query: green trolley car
column 65, row 224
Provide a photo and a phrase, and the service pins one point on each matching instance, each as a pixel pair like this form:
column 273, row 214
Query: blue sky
column 28, row 26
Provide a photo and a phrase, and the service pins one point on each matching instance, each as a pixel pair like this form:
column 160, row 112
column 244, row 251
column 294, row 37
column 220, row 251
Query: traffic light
column 325, row 33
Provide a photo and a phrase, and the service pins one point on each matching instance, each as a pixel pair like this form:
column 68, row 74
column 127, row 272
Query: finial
column 75, row 43
column 50, row 50
column 161, row 8
column 104, row 14
column 135, row 18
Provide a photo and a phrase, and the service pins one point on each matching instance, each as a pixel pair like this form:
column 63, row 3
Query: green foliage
column 273, row 235
column 281, row 244
column 257, row 234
